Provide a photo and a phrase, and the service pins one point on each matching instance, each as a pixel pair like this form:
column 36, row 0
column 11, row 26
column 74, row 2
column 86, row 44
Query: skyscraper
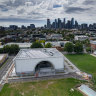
column 76, row 24
column 32, row 26
column 53, row 25
column 59, row 23
column 72, row 23
column 64, row 23
column 68, row 25
column 56, row 24
column 84, row 26
column 48, row 24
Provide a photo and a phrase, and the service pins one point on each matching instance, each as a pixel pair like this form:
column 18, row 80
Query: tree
column 48, row 45
column 11, row 49
column 70, row 37
column 88, row 49
column 14, row 49
column 42, row 41
column 69, row 47
column 36, row 45
column 6, row 49
column 87, row 43
column 1, row 50
column 78, row 47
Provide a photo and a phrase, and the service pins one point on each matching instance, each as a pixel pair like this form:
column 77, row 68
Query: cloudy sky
column 37, row 11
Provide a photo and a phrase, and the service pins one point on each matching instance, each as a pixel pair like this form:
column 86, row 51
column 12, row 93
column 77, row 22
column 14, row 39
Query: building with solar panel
column 42, row 62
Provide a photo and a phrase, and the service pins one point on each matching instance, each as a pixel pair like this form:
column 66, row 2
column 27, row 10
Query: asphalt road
column 6, row 66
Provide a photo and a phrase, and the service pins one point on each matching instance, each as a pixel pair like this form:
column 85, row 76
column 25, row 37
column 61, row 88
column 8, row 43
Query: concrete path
column 93, row 55
column 70, row 65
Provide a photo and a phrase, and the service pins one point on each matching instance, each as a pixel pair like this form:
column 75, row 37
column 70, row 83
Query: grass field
column 85, row 62
column 42, row 88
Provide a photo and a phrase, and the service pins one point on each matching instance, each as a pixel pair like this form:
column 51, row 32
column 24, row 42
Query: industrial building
column 42, row 61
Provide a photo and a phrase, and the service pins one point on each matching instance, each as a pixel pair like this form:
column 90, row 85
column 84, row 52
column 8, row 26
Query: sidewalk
column 68, row 63
column 93, row 55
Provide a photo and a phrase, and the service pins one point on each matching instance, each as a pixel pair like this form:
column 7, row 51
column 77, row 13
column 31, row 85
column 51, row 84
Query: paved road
column 6, row 66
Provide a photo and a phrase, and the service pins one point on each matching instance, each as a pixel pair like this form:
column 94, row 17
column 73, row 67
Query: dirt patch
column 22, row 93
column 32, row 87
column 16, row 86
column 12, row 94
column 49, row 83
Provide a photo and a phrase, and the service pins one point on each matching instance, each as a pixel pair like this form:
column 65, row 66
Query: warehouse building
column 41, row 61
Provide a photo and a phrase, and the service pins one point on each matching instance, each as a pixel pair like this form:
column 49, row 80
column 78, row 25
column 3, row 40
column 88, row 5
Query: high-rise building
column 53, row 25
column 23, row 27
column 68, row 25
column 94, row 25
column 84, row 26
column 76, row 24
column 56, row 24
column 72, row 23
column 64, row 23
column 45, row 26
column 13, row 27
column 32, row 26
column 48, row 24
column 59, row 23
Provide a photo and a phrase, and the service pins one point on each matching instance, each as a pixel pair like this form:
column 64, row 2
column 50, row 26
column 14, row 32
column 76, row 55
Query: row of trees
column 14, row 49
column 10, row 49
column 70, row 47
column 39, row 45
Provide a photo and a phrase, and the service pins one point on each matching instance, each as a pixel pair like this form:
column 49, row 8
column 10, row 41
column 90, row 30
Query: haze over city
column 37, row 11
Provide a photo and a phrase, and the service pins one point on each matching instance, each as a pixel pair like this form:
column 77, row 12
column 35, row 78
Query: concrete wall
column 29, row 65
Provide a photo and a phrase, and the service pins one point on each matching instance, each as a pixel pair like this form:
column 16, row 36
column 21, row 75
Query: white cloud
column 43, row 9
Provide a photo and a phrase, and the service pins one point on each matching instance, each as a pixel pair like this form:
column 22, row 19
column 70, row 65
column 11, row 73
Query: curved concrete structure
column 27, row 60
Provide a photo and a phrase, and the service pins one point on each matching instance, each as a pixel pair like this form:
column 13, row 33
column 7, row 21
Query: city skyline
column 24, row 12
column 45, row 22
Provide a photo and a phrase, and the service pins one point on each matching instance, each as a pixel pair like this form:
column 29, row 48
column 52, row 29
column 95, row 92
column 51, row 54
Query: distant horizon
column 38, row 23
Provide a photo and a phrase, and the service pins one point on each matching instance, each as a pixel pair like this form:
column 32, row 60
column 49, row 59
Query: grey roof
column 38, row 53
column 87, row 91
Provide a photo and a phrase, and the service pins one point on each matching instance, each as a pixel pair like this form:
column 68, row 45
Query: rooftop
column 81, row 36
column 38, row 53
column 21, row 45
column 87, row 91
column 93, row 42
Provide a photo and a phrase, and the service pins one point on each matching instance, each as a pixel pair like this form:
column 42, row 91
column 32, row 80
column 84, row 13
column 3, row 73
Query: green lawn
column 85, row 62
column 42, row 88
